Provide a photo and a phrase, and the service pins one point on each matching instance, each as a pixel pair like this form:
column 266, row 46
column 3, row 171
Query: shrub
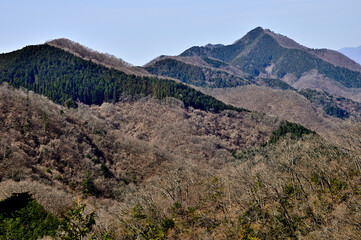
column 77, row 224
column 295, row 130
column 22, row 217
column 88, row 186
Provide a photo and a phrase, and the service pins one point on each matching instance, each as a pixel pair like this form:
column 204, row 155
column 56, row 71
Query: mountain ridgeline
column 268, row 61
column 66, row 78
column 259, row 49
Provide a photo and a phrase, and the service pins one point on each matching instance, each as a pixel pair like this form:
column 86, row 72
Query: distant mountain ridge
column 262, row 48
column 262, row 54
column 353, row 53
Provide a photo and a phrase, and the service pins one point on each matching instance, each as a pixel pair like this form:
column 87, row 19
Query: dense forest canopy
column 196, row 75
column 65, row 79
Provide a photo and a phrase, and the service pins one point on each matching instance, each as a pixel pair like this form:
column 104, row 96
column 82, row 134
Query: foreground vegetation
column 149, row 178
column 270, row 192
column 21, row 217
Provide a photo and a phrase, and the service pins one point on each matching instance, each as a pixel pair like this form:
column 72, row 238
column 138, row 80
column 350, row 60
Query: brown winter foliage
column 155, row 170
column 104, row 59
column 289, row 105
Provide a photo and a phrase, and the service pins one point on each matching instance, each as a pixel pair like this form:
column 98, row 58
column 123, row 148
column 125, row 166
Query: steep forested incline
column 65, row 79
column 196, row 75
column 153, row 169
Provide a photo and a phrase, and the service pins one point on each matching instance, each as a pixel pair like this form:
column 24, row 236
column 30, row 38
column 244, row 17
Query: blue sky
column 140, row 30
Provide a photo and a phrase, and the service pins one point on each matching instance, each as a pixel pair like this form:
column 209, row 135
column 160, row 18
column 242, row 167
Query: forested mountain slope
column 141, row 134
column 65, row 79
column 153, row 168
column 197, row 71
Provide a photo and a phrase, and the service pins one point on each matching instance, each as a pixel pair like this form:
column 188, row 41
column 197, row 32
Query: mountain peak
column 251, row 35
column 281, row 39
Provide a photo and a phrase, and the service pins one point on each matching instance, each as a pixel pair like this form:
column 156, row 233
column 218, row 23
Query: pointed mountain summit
column 261, row 54
column 261, row 48
column 251, row 36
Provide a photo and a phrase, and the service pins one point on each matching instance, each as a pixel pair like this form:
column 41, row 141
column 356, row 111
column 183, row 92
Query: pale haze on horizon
column 140, row 30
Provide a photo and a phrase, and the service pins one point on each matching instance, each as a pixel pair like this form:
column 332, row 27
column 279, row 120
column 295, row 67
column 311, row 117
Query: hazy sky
column 140, row 30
